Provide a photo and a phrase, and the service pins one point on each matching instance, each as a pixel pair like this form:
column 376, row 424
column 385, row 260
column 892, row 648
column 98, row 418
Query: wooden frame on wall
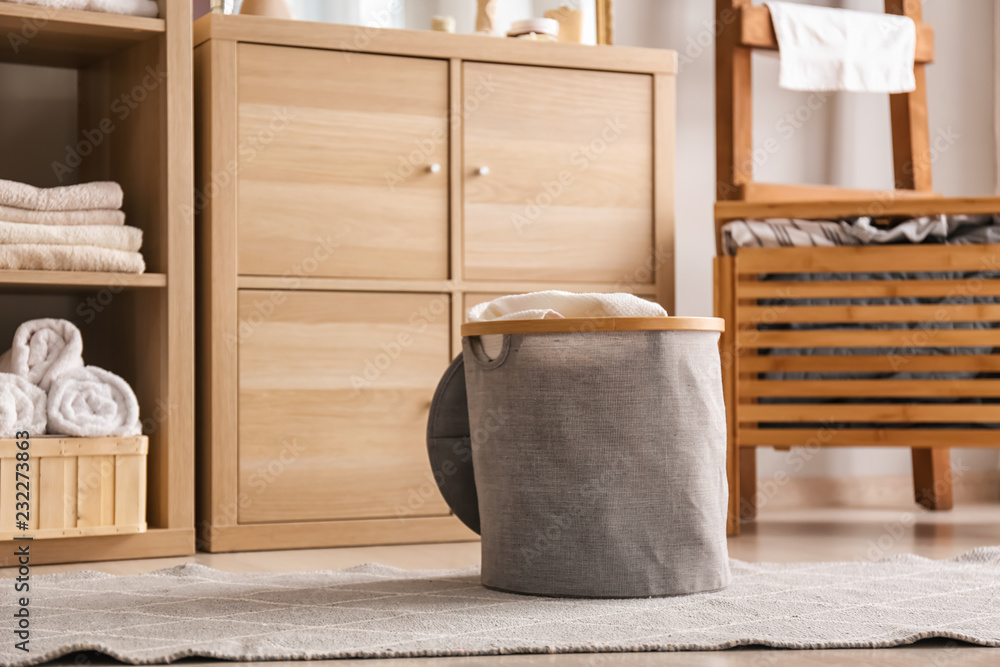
column 605, row 22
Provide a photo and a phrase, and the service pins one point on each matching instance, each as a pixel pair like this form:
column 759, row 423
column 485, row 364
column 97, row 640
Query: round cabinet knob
column 483, row 171
column 434, row 168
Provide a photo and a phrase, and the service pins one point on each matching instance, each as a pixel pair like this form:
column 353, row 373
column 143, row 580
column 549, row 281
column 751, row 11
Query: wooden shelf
column 154, row 543
column 145, row 334
column 407, row 285
column 886, row 205
column 68, row 38
column 79, row 280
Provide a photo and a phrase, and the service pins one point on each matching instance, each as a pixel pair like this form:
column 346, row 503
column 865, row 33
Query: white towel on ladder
column 825, row 49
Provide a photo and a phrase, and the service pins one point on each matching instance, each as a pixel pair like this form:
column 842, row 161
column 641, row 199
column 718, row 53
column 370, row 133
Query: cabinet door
column 334, row 392
column 335, row 155
column 569, row 191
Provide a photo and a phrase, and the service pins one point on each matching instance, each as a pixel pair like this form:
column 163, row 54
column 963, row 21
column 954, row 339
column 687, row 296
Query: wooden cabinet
column 567, row 193
column 334, row 393
column 335, row 162
column 350, row 225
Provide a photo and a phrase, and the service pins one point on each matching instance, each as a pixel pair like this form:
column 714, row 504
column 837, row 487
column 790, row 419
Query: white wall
column 843, row 140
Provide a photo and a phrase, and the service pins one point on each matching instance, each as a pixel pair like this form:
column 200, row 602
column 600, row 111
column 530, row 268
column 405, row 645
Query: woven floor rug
column 378, row 611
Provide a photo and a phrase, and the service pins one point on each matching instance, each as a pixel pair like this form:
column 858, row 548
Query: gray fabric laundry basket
column 589, row 454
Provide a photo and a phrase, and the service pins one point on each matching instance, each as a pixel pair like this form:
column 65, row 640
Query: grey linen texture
column 600, row 462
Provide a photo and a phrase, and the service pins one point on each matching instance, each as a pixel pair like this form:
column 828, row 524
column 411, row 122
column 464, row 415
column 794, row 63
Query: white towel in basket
column 556, row 304
column 42, row 350
column 92, row 402
column 22, row 407
column 826, row 49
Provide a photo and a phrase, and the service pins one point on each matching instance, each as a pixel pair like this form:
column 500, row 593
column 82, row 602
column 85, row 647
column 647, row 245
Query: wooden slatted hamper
column 76, row 487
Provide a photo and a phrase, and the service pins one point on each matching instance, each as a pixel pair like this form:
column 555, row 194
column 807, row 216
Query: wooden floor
column 799, row 535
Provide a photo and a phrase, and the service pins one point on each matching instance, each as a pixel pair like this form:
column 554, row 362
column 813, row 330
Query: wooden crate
column 77, row 487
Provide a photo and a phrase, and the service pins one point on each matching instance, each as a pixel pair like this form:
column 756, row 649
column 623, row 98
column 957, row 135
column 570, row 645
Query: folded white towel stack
column 825, row 49
column 42, row 349
column 134, row 7
column 92, row 402
column 22, row 407
column 556, row 304
column 70, row 228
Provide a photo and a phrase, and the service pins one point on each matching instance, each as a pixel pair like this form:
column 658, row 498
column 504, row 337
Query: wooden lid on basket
column 591, row 324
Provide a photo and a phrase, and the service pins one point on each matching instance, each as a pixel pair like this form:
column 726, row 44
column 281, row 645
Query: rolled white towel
column 92, row 402
column 22, row 407
column 42, row 350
